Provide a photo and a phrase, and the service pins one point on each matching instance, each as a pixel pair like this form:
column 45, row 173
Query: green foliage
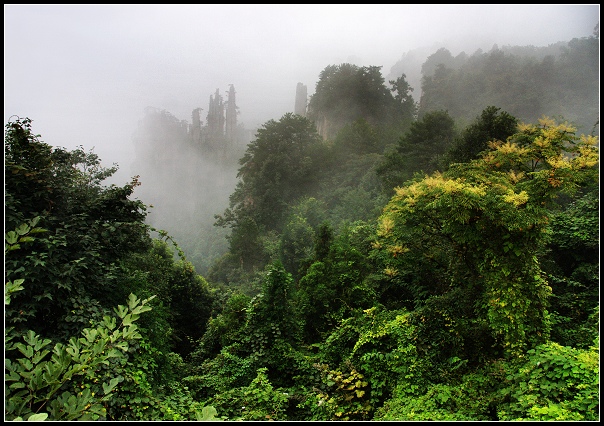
column 356, row 138
column 323, row 241
column 258, row 401
column 344, row 399
column 348, row 184
column 553, row 80
column 351, row 189
column 346, row 93
column 273, row 306
column 572, row 262
column 553, row 383
column 64, row 386
column 420, row 150
column 13, row 241
column 572, row 228
column 184, row 297
column 270, row 319
column 260, row 332
column 90, row 229
column 245, row 244
column 441, row 310
column 332, row 288
column 178, row 404
column 137, row 401
column 472, row 397
column 22, row 234
column 447, row 328
column 141, row 395
column 479, row 225
column 296, row 244
column 223, row 330
column 363, row 361
column 27, row 168
column 402, row 94
column 492, row 124
column 225, row 371
column 277, row 169
column 388, row 350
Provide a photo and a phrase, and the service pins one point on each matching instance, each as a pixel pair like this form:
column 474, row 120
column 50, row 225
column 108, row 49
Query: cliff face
column 187, row 172
column 231, row 117
column 301, row 100
column 325, row 127
column 221, row 137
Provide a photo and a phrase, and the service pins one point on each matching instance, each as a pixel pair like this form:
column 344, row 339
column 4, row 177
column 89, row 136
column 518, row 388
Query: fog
column 86, row 74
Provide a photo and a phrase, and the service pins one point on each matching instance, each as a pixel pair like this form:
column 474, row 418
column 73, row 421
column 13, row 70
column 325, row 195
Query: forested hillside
column 385, row 259
column 526, row 86
column 527, row 81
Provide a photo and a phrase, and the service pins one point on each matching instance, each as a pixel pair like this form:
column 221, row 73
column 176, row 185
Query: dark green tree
column 356, row 138
column 402, row 94
column 224, row 329
column 346, row 93
column 419, row 150
column 185, row 296
column 335, row 284
column 441, row 57
column 72, row 271
column 278, row 168
column 493, row 124
column 438, row 91
column 572, row 263
column 261, row 332
column 323, row 241
column 296, row 244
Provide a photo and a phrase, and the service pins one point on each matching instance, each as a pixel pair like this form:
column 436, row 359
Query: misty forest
column 421, row 245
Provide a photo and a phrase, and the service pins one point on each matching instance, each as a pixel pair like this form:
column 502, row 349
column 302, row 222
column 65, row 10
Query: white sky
column 85, row 73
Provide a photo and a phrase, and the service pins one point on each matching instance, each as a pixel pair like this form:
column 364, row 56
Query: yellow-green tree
column 480, row 226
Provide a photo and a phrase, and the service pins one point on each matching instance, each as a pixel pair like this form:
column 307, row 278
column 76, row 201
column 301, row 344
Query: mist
column 85, row 74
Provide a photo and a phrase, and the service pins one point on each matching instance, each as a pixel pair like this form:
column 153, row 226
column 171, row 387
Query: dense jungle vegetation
column 387, row 260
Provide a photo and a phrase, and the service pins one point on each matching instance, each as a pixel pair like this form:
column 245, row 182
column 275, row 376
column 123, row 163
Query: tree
column 277, row 168
column 93, row 248
column 356, row 138
column 335, row 285
column 256, row 333
column 296, row 245
column 66, row 385
column 185, row 297
column 72, row 270
column 224, row 329
column 345, row 93
column 419, row 150
column 527, row 82
column 481, row 224
column 441, row 57
column 572, row 264
column 493, row 124
column 402, row 94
